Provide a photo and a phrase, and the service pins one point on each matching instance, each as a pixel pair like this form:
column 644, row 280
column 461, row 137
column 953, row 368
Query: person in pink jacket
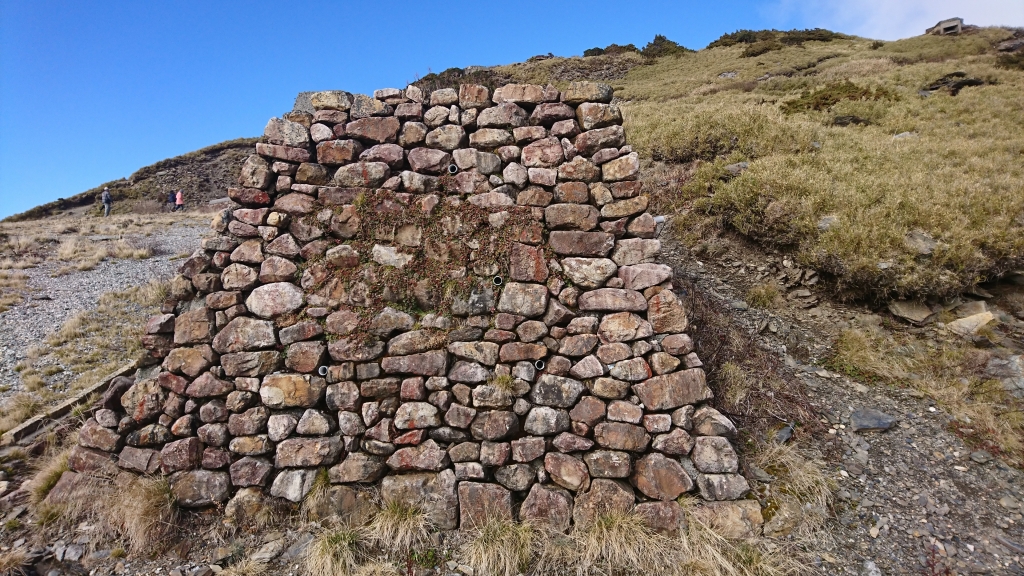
column 179, row 201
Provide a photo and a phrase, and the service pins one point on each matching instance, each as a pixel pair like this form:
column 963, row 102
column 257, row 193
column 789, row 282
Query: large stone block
column 200, row 488
column 604, row 497
column 527, row 300
column 548, row 505
column 621, row 436
column 292, row 390
column 557, row 391
column 435, row 494
column 572, row 243
column 661, row 478
column 480, row 503
column 673, row 390
column 244, row 334
column 308, row 452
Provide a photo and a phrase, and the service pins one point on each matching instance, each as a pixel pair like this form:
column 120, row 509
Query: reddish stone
column 479, row 503
column 141, row 460
column 621, row 436
column 566, row 471
column 673, row 390
column 660, row 478
column 249, row 196
column 286, row 153
column 374, row 129
column 526, row 263
column 570, row 243
column 186, row 454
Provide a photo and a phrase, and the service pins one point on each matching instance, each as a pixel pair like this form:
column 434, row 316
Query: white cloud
column 894, row 19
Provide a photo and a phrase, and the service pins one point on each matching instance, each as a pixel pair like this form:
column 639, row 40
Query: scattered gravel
column 910, row 499
column 51, row 301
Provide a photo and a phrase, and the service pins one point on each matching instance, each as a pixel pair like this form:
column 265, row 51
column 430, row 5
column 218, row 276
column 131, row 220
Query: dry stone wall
column 452, row 295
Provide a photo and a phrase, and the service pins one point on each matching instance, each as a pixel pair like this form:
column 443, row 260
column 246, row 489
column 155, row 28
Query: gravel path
column 51, row 301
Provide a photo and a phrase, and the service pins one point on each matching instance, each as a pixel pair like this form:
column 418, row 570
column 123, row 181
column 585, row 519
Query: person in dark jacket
column 171, row 197
column 107, row 200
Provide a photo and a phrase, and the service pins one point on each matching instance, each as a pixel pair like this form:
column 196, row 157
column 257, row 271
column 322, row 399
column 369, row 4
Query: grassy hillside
column 853, row 167
column 203, row 175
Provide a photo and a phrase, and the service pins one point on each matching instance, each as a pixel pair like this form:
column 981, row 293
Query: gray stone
column 293, row 485
column 557, row 391
column 871, row 420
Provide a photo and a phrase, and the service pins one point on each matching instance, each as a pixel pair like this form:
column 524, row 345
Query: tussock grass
column 12, row 285
column 735, row 382
column 18, row 408
column 618, row 542
column 951, row 373
column 48, row 471
column 703, row 551
column 561, row 71
column 500, row 547
column 503, row 382
column 763, row 295
column 956, row 178
column 335, row 552
column 400, row 527
column 797, row 475
column 14, row 562
column 87, row 255
column 248, row 567
column 140, row 516
column 318, row 498
column 69, row 239
column 377, row 569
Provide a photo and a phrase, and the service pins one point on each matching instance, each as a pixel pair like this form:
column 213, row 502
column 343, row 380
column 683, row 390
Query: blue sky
column 90, row 91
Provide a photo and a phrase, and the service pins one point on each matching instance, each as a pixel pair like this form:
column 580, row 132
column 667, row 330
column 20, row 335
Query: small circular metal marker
column 453, row 169
column 322, row 371
column 498, row 281
column 539, row 364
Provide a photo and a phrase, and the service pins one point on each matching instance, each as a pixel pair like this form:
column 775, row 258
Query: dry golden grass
column 951, row 373
column 559, row 71
column 763, row 295
column 335, row 552
column 12, row 285
column 48, row 470
column 399, row 528
column 500, row 547
column 702, row 550
column 318, row 498
column 87, row 254
column 617, row 542
column 69, row 239
column 18, row 408
column 248, row 567
column 957, row 178
column 140, row 516
column 623, row 544
column 796, row 474
column 377, row 569
column 734, row 381
column 14, row 562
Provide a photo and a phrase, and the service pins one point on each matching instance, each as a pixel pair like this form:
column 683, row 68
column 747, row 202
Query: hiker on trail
column 179, row 201
column 171, row 199
column 107, row 200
